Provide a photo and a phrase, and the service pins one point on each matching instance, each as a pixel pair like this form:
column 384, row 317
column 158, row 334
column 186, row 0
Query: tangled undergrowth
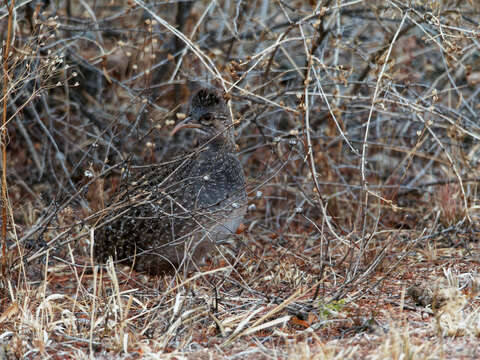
column 358, row 128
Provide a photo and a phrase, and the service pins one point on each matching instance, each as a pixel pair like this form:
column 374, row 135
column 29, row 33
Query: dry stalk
column 5, row 202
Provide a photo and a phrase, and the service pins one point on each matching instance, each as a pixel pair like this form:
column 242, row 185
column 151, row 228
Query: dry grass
column 358, row 127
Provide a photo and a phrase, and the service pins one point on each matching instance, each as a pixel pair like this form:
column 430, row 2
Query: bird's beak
column 184, row 124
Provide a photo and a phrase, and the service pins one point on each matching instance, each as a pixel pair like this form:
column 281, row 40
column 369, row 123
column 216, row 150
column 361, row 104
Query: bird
column 170, row 216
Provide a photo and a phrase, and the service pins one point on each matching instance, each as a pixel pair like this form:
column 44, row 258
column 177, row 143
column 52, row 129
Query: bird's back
column 171, row 216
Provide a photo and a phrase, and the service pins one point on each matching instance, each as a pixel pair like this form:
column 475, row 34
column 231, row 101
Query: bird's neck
column 220, row 142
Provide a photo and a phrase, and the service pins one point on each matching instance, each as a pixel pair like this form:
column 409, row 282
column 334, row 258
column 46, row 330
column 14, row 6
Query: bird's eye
column 206, row 119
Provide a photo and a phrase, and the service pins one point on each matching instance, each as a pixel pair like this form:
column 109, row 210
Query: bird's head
column 208, row 115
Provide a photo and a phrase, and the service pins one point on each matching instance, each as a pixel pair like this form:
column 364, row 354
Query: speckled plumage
column 171, row 216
